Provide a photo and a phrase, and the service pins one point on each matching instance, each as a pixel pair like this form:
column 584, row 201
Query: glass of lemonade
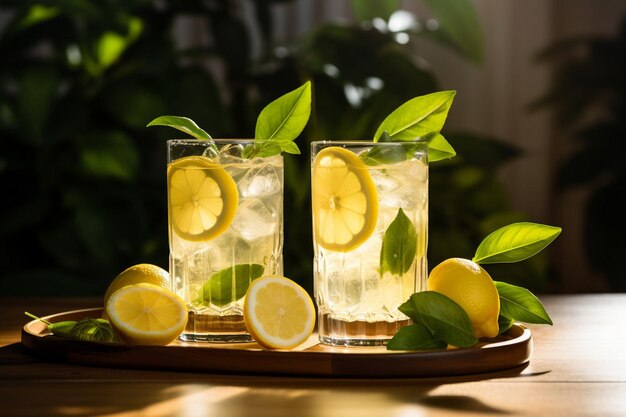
column 225, row 218
column 370, row 232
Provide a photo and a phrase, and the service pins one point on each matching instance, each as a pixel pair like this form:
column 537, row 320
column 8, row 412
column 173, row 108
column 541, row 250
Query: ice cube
column 254, row 219
column 266, row 179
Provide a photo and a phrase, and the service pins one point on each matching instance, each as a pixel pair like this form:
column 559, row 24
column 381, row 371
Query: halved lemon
column 202, row 198
column 279, row 314
column 345, row 200
column 145, row 314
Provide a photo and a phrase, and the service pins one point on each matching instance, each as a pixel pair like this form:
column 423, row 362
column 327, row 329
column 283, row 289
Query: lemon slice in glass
column 145, row 314
column 279, row 314
column 202, row 198
column 345, row 201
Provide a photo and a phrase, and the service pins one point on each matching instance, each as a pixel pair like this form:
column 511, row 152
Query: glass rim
column 206, row 141
column 366, row 143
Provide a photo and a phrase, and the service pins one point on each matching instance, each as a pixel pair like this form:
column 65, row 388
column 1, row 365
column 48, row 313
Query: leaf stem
column 32, row 316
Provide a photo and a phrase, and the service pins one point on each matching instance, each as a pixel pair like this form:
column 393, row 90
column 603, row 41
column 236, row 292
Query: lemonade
column 226, row 229
column 359, row 281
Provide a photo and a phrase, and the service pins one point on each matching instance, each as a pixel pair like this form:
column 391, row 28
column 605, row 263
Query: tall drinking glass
column 370, row 232
column 225, row 217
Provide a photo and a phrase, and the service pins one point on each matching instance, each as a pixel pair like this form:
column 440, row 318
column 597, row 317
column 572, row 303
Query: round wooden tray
column 508, row 351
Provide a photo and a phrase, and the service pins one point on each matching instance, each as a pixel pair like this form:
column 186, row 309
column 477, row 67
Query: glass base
column 203, row 327
column 216, row 338
column 336, row 332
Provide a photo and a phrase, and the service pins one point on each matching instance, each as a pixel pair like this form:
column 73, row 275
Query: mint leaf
column 399, row 245
column 380, row 155
column 515, row 242
column 219, row 288
column 414, row 337
column 519, row 304
column 445, row 319
column 184, row 124
column 504, row 324
column 281, row 122
column 417, row 117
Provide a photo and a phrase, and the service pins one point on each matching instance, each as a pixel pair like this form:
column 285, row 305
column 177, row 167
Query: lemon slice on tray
column 202, row 198
column 345, row 200
column 145, row 314
column 279, row 314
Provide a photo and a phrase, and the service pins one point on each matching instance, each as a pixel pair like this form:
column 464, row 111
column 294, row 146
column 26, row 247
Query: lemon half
column 144, row 314
column 279, row 314
column 345, row 200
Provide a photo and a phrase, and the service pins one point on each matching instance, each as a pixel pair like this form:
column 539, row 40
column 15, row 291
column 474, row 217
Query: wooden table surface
column 578, row 368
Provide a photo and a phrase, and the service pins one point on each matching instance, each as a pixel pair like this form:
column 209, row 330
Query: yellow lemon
column 138, row 274
column 202, row 198
column 145, row 314
column 345, row 200
column 470, row 286
column 279, row 314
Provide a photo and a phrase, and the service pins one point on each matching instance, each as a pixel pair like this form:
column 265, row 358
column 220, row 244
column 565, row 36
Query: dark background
column 538, row 122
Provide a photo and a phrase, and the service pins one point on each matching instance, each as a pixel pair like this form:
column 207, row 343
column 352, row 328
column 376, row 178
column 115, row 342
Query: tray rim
column 325, row 362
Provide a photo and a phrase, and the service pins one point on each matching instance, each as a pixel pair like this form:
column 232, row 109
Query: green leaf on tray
column 184, row 124
column 519, row 304
column 445, row 319
column 218, row 289
column 280, row 123
column 399, row 245
column 93, row 330
column 417, row 117
column 515, row 242
column 414, row 337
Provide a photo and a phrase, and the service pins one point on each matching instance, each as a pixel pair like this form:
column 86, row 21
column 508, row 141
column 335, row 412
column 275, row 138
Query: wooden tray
column 509, row 350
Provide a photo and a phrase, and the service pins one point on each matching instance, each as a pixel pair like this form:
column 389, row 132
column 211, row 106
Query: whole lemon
column 139, row 274
column 470, row 286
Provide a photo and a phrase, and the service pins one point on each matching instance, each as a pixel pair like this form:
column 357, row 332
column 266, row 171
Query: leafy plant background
column 84, row 179
column 589, row 96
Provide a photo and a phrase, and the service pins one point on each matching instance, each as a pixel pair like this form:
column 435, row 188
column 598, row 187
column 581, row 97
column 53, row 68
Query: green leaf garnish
column 184, row 124
column 515, row 242
column 438, row 147
column 280, row 123
column 417, row 117
column 519, row 304
column 219, row 288
column 414, row 337
column 445, row 319
column 399, row 245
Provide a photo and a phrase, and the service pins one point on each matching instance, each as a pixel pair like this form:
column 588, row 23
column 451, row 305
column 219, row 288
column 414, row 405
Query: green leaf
column 515, row 242
column 519, row 304
column 369, row 9
column 62, row 328
column 459, row 27
column 281, row 122
column 399, row 245
column 445, row 319
column 417, row 117
column 438, row 147
column 93, row 330
column 379, row 155
column 184, row 124
column 218, row 289
column 414, row 337
column 504, row 324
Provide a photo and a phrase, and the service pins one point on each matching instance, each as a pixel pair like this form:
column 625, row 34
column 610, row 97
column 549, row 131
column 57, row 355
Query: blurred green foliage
column 84, row 180
column 589, row 96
